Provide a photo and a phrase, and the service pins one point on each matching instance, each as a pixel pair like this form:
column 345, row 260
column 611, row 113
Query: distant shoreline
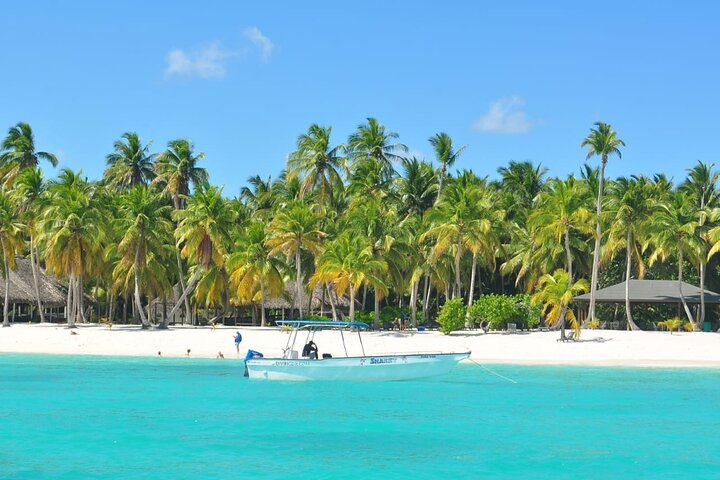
column 597, row 348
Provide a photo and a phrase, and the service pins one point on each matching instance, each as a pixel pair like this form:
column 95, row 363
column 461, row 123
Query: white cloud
column 208, row 62
column 505, row 115
column 261, row 42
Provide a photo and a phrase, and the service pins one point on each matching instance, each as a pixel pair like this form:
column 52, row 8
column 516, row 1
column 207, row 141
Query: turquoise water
column 160, row 418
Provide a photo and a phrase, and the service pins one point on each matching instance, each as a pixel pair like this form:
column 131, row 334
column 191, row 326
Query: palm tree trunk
column 70, row 314
column 35, row 279
column 680, row 280
column 596, row 253
column 699, row 325
column 628, row 265
column 332, row 302
column 183, row 296
column 472, row 279
column 80, row 298
column 458, row 285
column 426, row 298
column 352, row 302
column 262, row 304
column 298, row 275
column 364, row 296
column 376, row 320
column 413, row 302
column 181, row 276
column 568, row 254
column 111, row 308
column 138, row 303
column 6, row 274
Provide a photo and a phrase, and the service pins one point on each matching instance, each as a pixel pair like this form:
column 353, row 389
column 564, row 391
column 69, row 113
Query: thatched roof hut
column 22, row 289
column 285, row 301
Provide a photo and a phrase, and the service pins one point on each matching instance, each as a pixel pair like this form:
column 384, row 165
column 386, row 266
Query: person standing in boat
column 310, row 350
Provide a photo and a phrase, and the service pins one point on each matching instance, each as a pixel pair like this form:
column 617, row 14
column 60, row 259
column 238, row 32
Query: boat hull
column 368, row 368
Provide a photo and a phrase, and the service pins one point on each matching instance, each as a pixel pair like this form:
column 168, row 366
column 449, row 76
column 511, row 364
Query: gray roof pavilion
column 651, row 291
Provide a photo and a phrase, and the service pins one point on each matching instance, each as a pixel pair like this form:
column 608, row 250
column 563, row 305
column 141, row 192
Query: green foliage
column 365, row 317
column 389, row 313
column 496, row 311
column 316, row 317
column 452, row 316
column 671, row 324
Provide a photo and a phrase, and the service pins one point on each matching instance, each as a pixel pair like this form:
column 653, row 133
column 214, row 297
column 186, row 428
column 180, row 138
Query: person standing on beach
column 238, row 339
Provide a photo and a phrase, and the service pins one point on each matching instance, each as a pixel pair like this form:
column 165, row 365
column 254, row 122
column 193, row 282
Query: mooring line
column 494, row 373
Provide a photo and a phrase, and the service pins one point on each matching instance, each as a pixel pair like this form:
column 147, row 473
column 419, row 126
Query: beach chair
column 614, row 325
column 511, row 328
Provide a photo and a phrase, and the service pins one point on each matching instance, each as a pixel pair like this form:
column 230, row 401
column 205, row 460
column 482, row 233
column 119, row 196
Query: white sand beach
column 596, row 347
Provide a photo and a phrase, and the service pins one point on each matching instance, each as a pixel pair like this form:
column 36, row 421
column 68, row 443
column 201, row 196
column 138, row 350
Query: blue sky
column 511, row 80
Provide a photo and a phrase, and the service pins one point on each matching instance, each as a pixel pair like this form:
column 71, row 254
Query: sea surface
column 73, row 417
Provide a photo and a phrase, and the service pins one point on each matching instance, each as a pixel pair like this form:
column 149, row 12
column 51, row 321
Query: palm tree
column 19, row 152
column 347, row 263
column 701, row 184
column 130, row 164
column 674, row 229
column 561, row 216
column 629, row 207
column 317, row 162
column 445, row 154
column 254, row 271
column 371, row 143
column 523, row 182
column 11, row 243
column 373, row 220
column 456, row 219
column 555, row 292
column 73, row 229
column 417, row 186
column 293, row 231
column 145, row 221
column 29, row 193
column 202, row 235
column 176, row 169
column 601, row 141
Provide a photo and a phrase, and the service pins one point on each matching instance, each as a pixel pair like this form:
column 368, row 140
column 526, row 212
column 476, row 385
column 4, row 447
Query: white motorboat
column 307, row 365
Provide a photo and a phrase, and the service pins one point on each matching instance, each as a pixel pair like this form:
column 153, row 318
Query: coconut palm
column 254, row 271
column 371, row 142
column 701, row 184
column 347, row 263
column 29, row 193
column 145, row 221
column 417, row 186
column 18, row 152
column 523, row 182
column 11, row 243
column 445, row 154
column 317, row 162
column 674, row 230
column 455, row 219
column 603, row 142
column 629, row 208
column 130, row 163
column 177, row 169
column 73, row 229
column 561, row 217
column 293, row 231
column 202, row 235
column 555, row 292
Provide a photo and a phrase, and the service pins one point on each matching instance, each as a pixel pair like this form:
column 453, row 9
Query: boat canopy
column 320, row 324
